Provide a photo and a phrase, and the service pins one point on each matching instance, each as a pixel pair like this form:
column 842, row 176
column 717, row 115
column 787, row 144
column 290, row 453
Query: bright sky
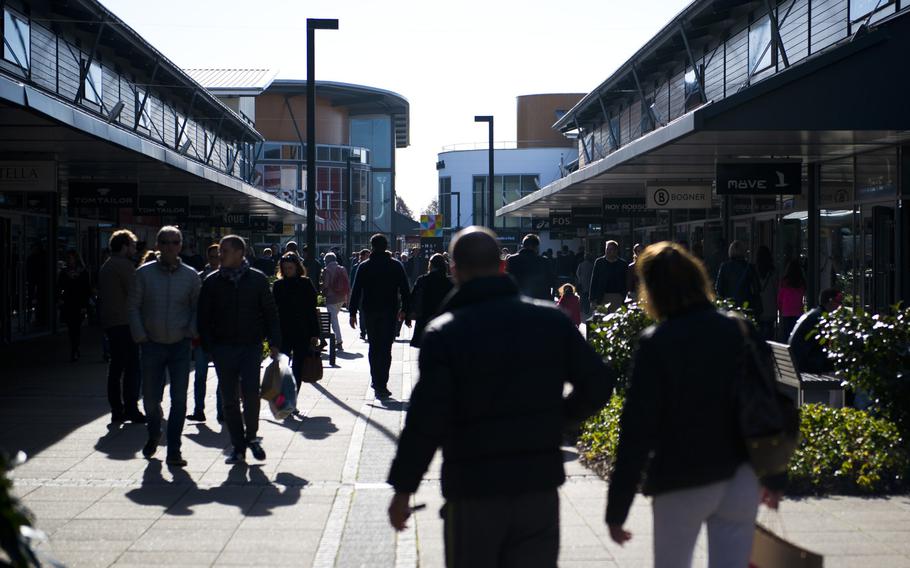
column 450, row 60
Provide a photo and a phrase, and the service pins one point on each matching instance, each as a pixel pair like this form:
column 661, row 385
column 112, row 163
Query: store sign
column 168, row 205
column 678, row 197
column 102, row 194
column 759, row 178
column 539, row 224
column 259, row 223
column 28, row 176
column 623, row 206
column 560, row 221
column 430, row 246
column 236, row 220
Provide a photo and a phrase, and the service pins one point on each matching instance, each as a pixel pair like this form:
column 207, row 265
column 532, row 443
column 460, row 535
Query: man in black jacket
column 533, row 273
column 379, row 286
column 236, row 311
column 498, row 419
column 738, row 281
column 609, row 282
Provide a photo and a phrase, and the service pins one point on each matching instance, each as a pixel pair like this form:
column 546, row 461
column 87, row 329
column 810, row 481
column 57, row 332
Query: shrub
column 872, row 353
column 842, row 450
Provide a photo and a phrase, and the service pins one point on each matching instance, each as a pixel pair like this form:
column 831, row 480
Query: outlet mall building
column 780, row 124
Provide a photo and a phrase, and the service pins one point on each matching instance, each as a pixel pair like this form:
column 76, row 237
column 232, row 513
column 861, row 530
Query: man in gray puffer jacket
column 162, row 312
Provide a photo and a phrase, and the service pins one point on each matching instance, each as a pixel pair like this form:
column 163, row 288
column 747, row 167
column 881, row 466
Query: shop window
column 323, row 153
column 861, row 9
column 93, row 83
column 16, row 38
column 761, row 54
column 876, row 174
column 290, row 151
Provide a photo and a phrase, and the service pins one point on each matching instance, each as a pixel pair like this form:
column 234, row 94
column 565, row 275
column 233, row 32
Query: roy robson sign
column 759, row 178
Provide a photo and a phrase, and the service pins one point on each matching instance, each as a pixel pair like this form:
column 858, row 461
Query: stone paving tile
column 158, row 559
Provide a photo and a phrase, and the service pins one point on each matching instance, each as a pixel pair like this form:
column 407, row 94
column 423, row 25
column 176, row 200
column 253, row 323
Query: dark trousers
column 238, row 369
column 161, row 362
column 123, row 379
column 296, row 350
column 499, row 532
column 201, row 359
column 381, row 331
column 73, row 320
column 787, row 323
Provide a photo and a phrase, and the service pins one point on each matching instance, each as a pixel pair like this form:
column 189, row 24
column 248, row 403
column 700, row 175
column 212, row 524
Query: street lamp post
column 312, row 24
column 490, row 182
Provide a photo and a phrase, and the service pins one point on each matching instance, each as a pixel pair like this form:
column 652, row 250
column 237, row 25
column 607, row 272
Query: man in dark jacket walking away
column 499, row 420
column 380, row 285
column 737, row 280
column 609, row 279
column 236, row 311
column 533, row 273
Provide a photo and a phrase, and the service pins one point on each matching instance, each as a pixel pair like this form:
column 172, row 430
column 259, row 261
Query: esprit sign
column 759, row 178
column 28, row 176
column 678, row 197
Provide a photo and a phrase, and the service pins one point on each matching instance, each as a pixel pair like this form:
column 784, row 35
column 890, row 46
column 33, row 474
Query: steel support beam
column 145, row 95
column 641, row 94
column 83, row 69
column 186, row 119
column 775, row 33
column 581, row 139
column 695, row 68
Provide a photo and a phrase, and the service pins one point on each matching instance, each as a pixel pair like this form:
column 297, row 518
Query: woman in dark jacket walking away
column 75, row 291
column 680, row 421
column 295, row 297
column 429, row 292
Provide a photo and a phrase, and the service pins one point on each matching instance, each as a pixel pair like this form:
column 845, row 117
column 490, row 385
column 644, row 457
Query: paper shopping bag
column 772, row 551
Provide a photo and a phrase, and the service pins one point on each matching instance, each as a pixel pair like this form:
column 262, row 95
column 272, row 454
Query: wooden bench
column 802, row 382
column 325, row 332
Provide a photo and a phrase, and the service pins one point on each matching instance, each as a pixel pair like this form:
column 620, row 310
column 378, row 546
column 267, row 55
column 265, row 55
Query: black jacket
column 533, row 273
column 496, row 412
column 680, row 409
column 426, row 300
column 379, row 283
column 237, row 315
column 608, row 278
column 738, row 281
column 297, row 311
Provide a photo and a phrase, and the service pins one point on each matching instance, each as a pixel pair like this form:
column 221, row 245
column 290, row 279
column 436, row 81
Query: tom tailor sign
column 102, row 194
column 163, row 205
column 759, row 178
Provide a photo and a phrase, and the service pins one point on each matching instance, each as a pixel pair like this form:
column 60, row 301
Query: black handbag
column 768, row 420
column 311, row 366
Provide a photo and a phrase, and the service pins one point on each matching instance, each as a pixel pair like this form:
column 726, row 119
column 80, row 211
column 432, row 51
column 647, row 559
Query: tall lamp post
column 490, row 182
column 312, row 24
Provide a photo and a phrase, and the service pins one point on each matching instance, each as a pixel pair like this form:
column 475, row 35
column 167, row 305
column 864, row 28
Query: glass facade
column 760, row 53
column 16, row 39
column 506, row 189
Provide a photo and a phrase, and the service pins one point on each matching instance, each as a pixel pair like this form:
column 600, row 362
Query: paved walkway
column 320, row 498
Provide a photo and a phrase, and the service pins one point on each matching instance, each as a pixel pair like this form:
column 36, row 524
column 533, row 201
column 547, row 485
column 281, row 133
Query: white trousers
column 333, row 310
column 728, row 508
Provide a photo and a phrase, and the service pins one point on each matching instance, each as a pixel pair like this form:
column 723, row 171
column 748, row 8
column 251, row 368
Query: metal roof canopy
column 841, row 103
column 36, row 125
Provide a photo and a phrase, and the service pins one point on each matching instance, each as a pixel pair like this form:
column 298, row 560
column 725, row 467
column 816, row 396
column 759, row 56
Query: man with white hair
column 162, row 317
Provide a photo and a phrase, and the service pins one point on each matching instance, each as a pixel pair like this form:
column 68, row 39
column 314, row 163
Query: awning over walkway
column 840, row 103
column 34, row 124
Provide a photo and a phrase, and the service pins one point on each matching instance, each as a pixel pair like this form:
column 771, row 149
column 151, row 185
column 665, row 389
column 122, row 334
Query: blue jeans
column 175, row 359
column 200, row 376
column 238, row 368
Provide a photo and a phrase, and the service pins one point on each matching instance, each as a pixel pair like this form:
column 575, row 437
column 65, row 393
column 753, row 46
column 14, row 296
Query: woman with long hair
column 767, row 287
column 429, row 292
column 681, row 422
column 75, row 291
column 790, row 296
column 296, row 299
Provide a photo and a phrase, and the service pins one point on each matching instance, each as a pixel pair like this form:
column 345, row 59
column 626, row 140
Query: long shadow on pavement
column 243, row 488
column 341, row 404
column 348, row 356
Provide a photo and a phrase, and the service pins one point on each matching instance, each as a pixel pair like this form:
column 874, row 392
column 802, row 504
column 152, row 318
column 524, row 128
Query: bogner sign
column 759, row 178
column 678, row 197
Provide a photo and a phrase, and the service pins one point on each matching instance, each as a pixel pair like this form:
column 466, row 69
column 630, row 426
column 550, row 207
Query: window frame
column 89, row 81
column 16, row 15
column 772, row 47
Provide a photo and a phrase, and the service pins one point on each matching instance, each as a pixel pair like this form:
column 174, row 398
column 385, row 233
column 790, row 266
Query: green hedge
column 842, row 450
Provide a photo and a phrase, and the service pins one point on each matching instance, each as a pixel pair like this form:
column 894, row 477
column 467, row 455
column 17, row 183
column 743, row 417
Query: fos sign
column 759, row 178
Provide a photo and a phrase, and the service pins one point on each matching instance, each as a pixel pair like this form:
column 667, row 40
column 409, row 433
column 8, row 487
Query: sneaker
column 150, row 448
column 237, row 456
column 176, row 460
column 197, row 416
column 256, row 447
column 135, row 417
column 382, row 393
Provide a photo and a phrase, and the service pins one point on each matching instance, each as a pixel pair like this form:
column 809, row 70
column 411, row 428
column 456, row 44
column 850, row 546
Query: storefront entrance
column 27, row 276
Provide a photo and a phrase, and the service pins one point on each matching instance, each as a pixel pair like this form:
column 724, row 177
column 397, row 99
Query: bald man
column 498, row 417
